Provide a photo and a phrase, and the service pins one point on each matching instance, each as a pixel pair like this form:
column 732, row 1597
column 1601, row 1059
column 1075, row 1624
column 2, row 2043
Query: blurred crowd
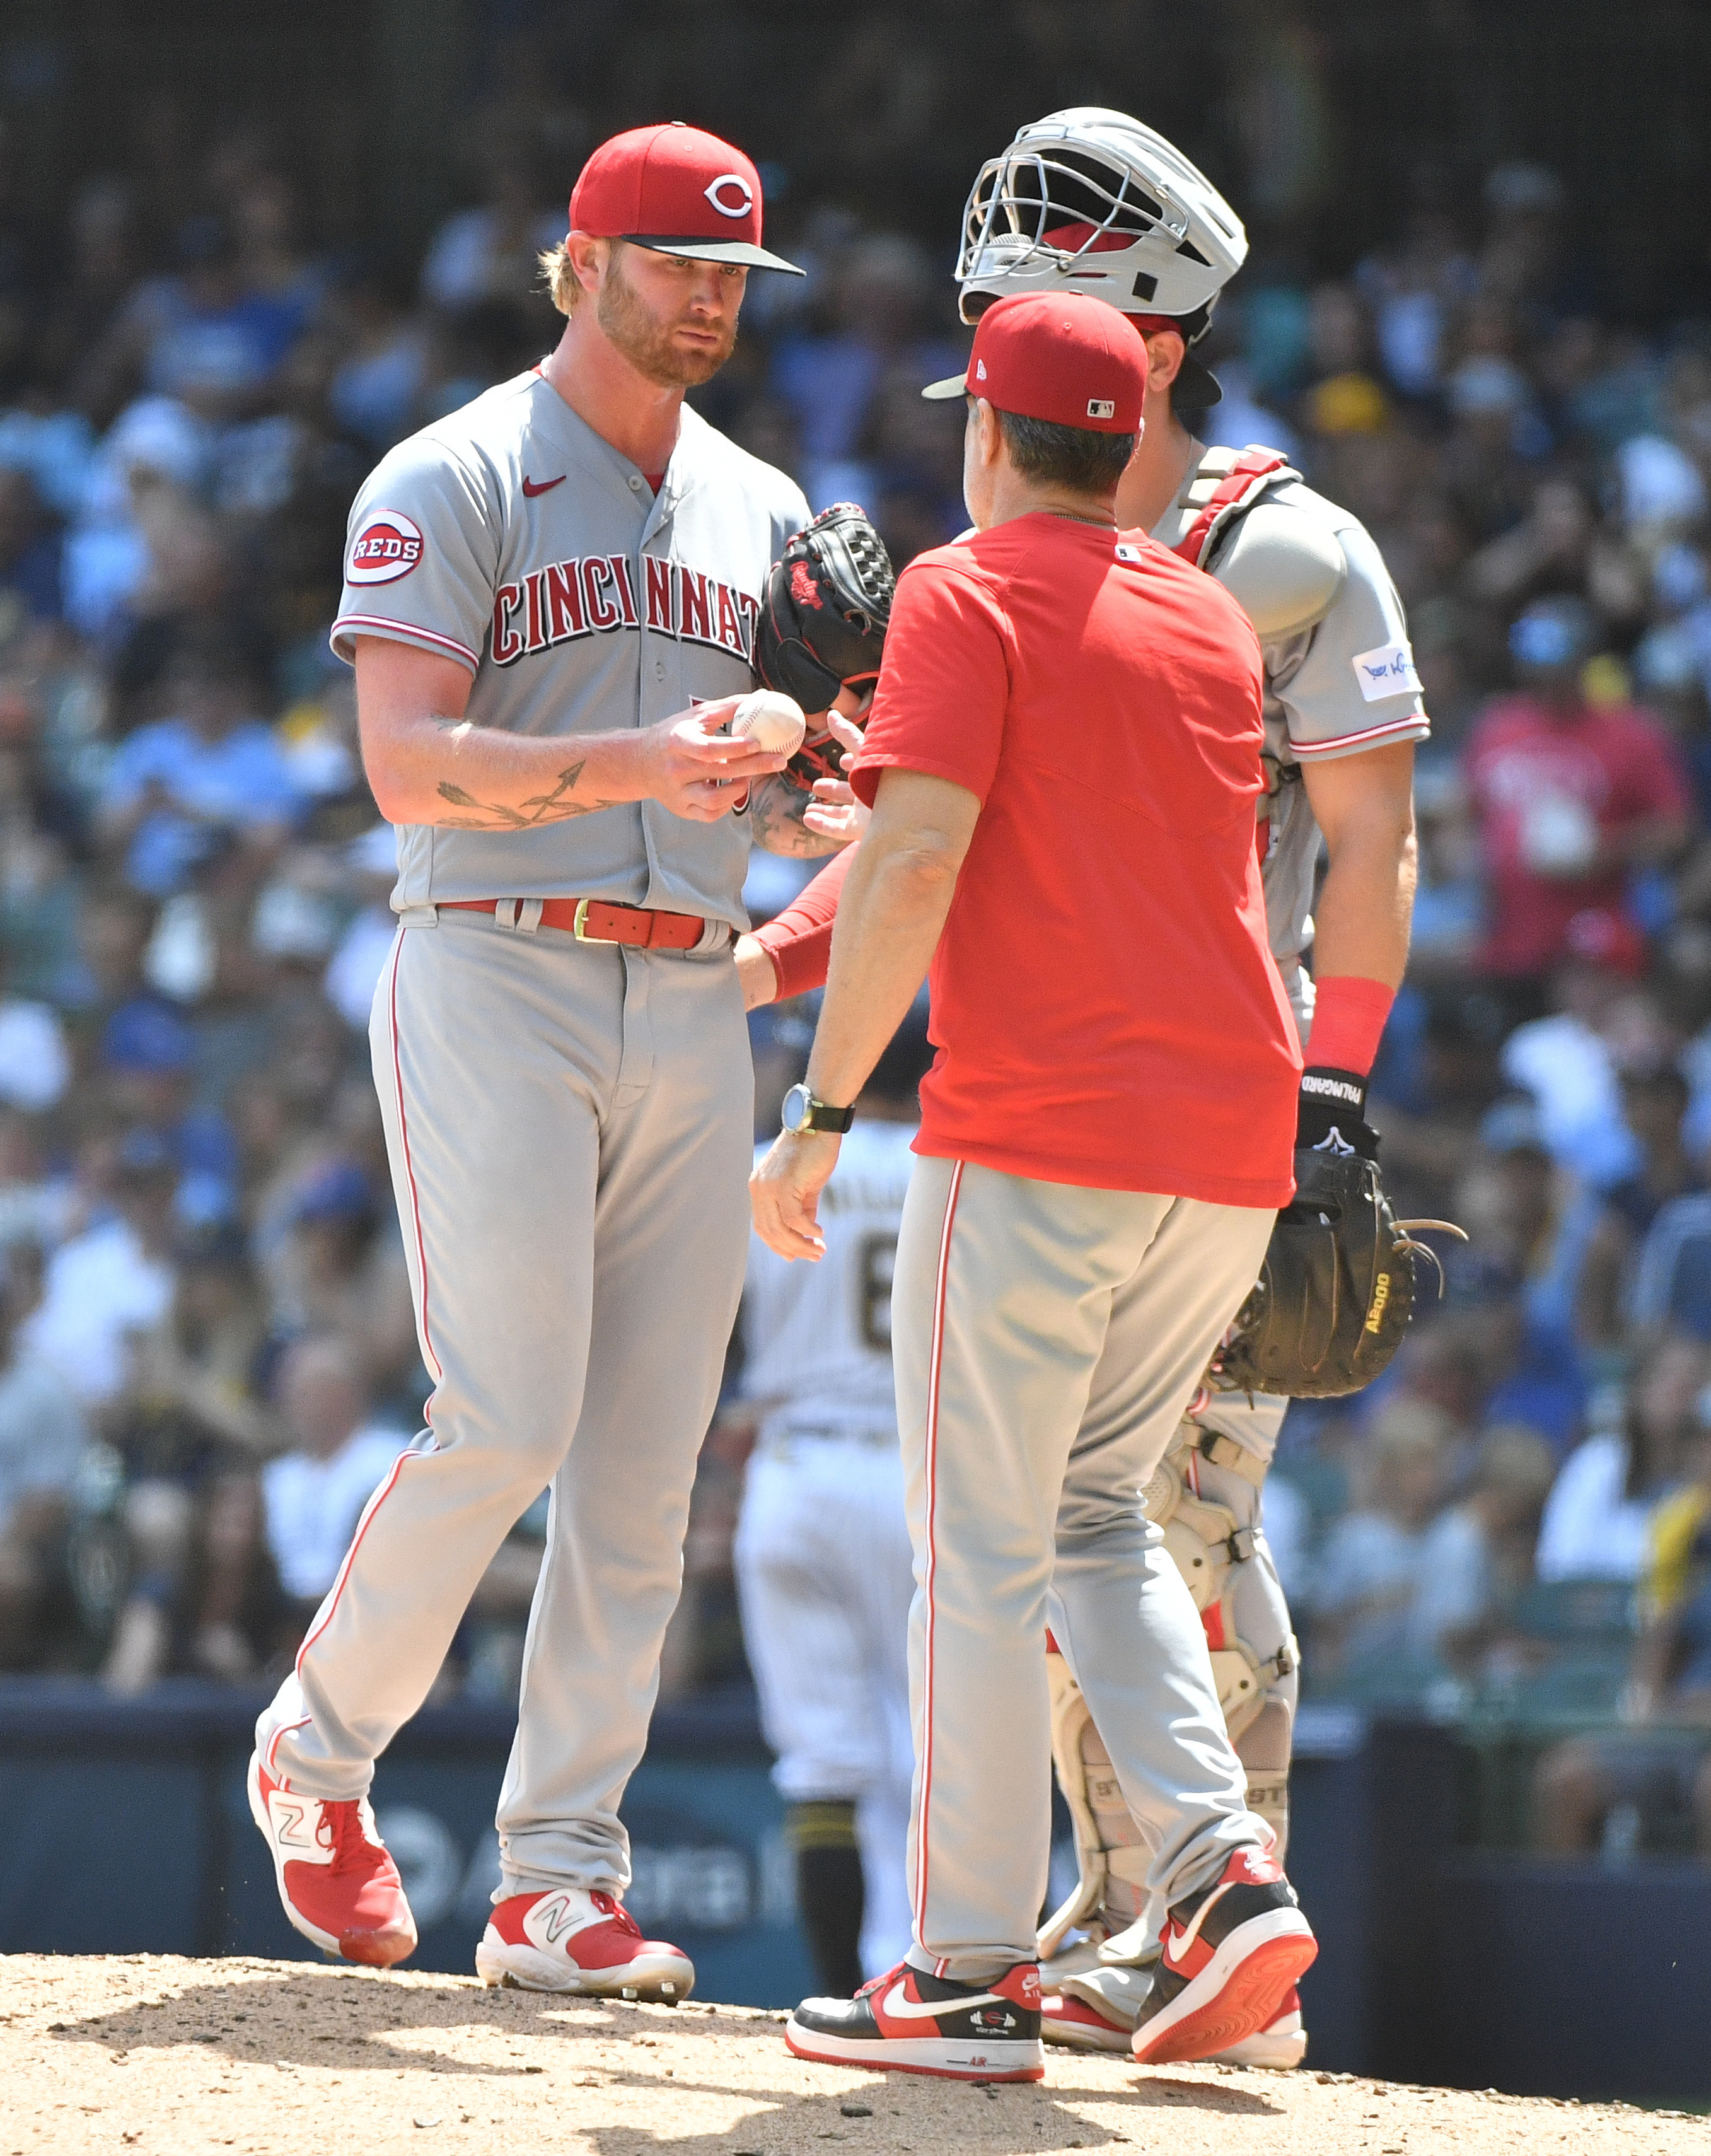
column 205, row 1321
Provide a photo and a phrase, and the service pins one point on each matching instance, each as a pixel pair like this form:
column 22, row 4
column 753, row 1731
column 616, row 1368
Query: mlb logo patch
column 979, row 370
column 1101, row 407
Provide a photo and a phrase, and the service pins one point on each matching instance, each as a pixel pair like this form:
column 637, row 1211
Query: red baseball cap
column 1063, row 356
column 678, row 190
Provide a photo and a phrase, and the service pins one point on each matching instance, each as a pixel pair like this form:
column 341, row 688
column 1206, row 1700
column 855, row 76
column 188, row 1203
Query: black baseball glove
column 823, row 622
column 1333, row 1302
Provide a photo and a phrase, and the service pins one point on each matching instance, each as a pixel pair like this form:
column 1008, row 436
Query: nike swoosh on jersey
column 902, row 2008
column 534, row 486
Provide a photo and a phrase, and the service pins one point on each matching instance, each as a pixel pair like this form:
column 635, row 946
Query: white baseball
column 772, row 723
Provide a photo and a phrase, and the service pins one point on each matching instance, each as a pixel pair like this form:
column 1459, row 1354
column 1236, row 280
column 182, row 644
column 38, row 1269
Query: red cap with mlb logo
column 679, row 190
column 1063, row 356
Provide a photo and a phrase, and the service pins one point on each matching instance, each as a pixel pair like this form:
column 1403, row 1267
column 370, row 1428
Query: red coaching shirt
column 1106, row 1009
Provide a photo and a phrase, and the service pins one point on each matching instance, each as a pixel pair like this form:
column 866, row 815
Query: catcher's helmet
column 1088, row 200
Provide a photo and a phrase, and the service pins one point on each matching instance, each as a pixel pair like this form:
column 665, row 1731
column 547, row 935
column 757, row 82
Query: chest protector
column 1227, row 482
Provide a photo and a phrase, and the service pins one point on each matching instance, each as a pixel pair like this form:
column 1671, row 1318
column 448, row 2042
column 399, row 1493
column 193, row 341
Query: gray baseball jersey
column 509, row 530
column 1339, row 672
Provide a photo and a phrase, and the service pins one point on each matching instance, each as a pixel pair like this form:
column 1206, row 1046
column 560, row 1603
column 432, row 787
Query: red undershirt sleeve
column 799, row 939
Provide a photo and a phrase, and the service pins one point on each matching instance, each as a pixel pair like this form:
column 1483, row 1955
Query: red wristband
column 799, row 939
column 1349, row 1014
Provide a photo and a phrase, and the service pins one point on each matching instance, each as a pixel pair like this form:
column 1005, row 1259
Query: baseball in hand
column 772, row 723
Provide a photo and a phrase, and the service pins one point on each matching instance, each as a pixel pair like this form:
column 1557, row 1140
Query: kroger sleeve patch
column 420, row 559
column 1387, row 670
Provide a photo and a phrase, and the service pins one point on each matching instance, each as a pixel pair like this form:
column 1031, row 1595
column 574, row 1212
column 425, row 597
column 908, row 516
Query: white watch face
column 798, row 1106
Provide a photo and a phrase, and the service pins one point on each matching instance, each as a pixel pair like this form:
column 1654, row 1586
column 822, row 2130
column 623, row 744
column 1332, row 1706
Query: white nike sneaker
column 1229, row 1957
column 910, row 2023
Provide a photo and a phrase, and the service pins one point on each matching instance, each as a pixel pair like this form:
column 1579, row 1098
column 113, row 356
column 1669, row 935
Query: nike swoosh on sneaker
column 531, row 487
column 902, row 2008
column 1174, row 1949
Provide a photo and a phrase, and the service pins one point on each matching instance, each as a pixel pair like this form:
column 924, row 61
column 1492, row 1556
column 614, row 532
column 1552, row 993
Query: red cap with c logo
column 678, row 190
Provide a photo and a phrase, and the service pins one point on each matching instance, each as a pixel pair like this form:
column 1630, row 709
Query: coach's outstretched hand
column 834, row 812
column 784, row 1192
column 696, row 771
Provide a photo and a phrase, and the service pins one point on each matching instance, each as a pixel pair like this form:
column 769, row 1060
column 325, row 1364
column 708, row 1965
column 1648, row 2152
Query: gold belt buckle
column 579, row 924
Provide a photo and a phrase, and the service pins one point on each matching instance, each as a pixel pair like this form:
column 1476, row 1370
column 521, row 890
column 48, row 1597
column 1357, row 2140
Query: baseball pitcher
column 538, row 588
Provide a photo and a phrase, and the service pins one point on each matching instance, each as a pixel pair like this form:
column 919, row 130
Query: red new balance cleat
column 1079, row 2026
column 339, row 1887
column 567, row 1940
column 1229, row 1959
column 907, row 2022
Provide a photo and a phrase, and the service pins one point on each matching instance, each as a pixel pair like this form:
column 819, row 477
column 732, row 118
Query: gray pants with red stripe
column 570, row 1128
column 1047, row 1339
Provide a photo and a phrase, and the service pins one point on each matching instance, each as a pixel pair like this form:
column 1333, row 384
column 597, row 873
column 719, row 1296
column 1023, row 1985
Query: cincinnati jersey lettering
column 595, row 595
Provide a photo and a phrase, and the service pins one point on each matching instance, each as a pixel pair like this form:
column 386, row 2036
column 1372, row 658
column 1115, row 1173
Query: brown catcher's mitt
column 1335, row 1298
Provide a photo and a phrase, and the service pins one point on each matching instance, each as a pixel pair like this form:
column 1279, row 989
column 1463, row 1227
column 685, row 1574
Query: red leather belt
column 595, row 920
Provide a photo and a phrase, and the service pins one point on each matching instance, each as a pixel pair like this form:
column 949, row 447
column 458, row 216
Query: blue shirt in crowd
column 239, row 783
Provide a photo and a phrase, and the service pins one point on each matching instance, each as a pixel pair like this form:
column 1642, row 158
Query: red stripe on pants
column 930, row 1567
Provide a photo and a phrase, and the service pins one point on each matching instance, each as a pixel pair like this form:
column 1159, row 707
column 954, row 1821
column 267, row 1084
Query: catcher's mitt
column 823, row 622
column 1331, row 1306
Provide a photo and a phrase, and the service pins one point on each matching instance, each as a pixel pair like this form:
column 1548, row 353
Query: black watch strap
column 820, row 1115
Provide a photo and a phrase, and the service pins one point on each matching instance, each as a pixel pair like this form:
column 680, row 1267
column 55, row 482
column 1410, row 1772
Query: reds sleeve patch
column 1387, row 670
column 388, row 547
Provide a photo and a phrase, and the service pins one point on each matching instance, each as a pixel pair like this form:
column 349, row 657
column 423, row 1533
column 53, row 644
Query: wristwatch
column 802, row 1113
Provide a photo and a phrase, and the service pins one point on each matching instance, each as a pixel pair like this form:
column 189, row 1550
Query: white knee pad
column 1111, row 1857
column 1205, row 1497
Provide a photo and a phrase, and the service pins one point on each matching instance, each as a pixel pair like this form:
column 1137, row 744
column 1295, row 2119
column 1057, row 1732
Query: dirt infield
column 169, row 2057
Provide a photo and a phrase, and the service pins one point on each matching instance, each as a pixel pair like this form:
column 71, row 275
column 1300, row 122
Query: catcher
column 1095, row 196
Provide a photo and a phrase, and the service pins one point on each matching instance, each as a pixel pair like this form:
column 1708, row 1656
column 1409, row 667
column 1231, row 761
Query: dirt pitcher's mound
column 170, row 2058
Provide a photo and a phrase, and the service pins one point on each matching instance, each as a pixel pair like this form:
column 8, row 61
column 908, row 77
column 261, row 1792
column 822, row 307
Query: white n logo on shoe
column 290, row 1822
column 557, row 1915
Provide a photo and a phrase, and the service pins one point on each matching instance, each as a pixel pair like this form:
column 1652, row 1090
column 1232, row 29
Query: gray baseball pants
column 571, row 1129
column 1047, row 1339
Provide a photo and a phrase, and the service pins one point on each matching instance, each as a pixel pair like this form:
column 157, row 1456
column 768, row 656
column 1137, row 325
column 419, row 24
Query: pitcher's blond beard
column 622, row 315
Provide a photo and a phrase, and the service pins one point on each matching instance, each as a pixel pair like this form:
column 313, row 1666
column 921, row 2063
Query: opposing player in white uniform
column 823, row 1568
column 538, row 588
column 1091, row 201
